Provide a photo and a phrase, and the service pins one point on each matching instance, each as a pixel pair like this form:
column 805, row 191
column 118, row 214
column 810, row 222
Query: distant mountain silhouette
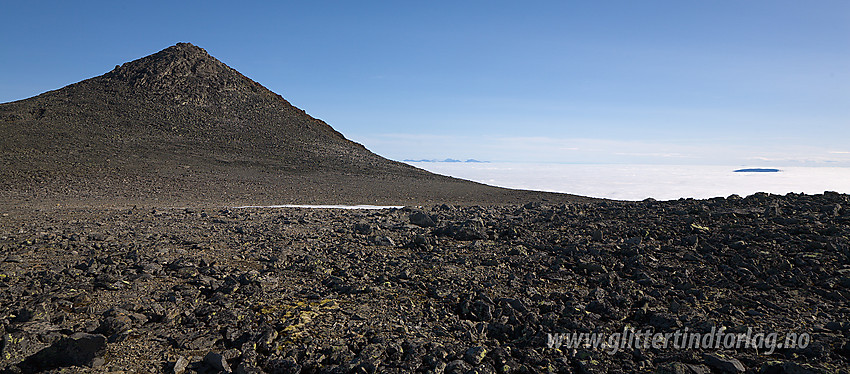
column 180, row 126
column 471, row 160
column 757, row 170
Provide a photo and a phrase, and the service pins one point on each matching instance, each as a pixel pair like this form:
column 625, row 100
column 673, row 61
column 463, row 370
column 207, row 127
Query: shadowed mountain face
column 181, row 127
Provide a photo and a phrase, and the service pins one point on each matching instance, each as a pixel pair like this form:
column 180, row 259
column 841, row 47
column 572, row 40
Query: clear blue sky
column 737, row 82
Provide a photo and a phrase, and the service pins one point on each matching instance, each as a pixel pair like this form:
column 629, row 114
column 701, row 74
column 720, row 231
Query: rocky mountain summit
column 180, row 127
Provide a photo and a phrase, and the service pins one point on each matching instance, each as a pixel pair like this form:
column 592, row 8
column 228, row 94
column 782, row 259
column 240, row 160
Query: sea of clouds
column 638, row 182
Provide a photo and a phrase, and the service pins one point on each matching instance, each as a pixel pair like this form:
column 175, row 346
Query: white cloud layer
column 637, row 182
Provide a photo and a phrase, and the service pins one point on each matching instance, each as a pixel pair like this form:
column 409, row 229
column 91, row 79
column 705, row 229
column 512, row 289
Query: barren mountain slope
column 181, row 127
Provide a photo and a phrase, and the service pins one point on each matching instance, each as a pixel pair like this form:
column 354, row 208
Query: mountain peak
column 184, row 52
column 186, row 47
column 177, row 68
column 181, row 126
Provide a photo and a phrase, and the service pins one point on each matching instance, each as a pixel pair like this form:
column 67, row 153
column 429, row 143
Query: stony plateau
column 467, row 289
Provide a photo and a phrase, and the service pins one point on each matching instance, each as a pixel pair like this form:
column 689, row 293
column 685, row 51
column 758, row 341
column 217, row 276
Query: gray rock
column 592, row 267
column 421, row 241
column 363, row 228
column 634, row 240
column 664, row 321
column 532, row 205
column 80, row 349
column 422, row 220
column 266, row 343
column 457, row 367
column 832, row 210
column 116, row 321
column 833, row 325
column 372, row 353
column 284, row 366
column 16, row 346
column 216, row 362
column 246, row 368
column 472, row 229
column 690, row 241
column 486, row 368
column 438, row 367
column 475, row 355
column 518, row 251
column 231, row 353
column 481, row 311
column 383, row 241
column 724, row 364
column 248, row 354
column 597, row 235
column 680, row 368
column 200, row 342
column 773, row 211
column 180, row 365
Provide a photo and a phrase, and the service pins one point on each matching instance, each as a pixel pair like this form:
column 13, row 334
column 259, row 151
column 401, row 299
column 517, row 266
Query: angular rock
column 381, row 240
column 472, row 229
column 201, row 342
column 363, row 228
column 724, row 364
column 421, row 219
column 457, row 367
column 475, row 355
column 116, row 321
column 286, row 365
column 79, row 349
column 217, row 362
column 179, row 366
column 597, row 235
column 246, row 368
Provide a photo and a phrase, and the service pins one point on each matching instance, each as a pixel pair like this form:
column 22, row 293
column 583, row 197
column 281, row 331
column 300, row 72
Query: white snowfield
column 349, row 207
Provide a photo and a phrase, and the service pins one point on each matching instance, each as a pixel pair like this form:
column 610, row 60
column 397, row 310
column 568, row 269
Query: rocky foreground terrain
column 439, row 289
